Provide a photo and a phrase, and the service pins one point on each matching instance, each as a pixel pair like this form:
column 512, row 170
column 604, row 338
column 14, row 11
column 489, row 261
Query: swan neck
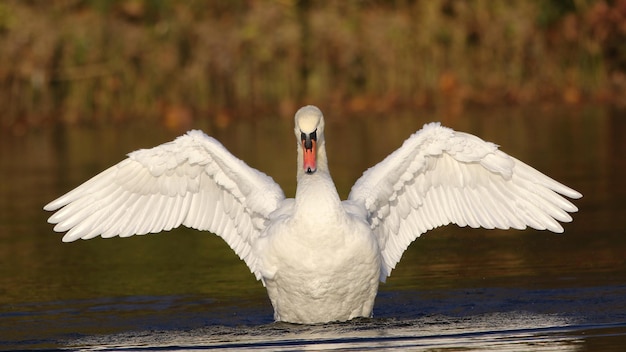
column 316, row 197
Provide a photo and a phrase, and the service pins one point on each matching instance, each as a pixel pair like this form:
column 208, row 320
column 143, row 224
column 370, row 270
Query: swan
column 320, row 258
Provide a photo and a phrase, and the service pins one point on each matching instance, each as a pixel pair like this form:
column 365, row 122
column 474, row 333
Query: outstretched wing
column 193, row 181
column 440, row 176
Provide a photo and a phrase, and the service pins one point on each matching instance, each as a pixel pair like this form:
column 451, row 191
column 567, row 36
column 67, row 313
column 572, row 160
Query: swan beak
column 309, row 148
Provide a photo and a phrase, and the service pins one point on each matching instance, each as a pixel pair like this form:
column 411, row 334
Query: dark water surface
column 455, row 288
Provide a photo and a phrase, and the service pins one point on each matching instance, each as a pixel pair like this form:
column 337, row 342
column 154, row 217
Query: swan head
column 309, row 130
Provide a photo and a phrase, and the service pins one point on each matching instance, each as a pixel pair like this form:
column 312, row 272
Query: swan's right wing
column 440, row 176
column 193, row 181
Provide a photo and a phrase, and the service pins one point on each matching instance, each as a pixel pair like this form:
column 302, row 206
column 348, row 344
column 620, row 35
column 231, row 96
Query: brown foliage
column 90, row 61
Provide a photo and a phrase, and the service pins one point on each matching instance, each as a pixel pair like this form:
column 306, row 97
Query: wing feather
column 193, row 181
column 440, row 176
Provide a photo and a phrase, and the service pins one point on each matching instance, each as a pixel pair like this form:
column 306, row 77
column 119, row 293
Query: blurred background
column 94, row 61
column 83, row 82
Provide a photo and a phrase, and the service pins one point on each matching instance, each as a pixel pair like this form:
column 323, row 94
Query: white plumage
column 320, row 258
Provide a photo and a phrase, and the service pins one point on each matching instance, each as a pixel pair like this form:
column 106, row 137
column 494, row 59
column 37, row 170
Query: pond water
column 454, row 289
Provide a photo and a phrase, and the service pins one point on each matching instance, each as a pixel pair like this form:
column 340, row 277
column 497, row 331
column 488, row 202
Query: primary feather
column 440, row 176
column 193, row 181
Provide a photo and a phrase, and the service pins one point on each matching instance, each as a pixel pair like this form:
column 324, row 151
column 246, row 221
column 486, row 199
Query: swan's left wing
column 440, row 176
column 193, row 181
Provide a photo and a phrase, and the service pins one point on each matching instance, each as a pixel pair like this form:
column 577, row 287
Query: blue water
column 500, row 319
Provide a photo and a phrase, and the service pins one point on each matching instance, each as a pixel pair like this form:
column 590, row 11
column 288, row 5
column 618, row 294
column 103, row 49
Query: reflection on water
column 454, row 288
column 498, row 331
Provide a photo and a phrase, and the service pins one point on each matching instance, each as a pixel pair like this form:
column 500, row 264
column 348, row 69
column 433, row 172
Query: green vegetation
column 89, row 61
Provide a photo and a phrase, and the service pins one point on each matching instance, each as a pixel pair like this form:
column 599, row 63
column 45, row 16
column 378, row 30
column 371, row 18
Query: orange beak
column 309, row 164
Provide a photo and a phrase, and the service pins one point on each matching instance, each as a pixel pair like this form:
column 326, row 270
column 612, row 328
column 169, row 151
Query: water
column 455, row 288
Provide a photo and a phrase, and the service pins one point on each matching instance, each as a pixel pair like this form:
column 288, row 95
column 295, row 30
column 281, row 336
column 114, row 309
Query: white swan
column 320, row 258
